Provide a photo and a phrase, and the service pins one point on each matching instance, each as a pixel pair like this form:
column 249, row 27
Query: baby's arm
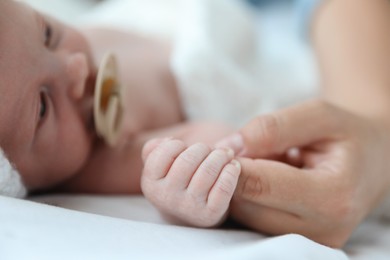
column 118, row 169
column 190, row 185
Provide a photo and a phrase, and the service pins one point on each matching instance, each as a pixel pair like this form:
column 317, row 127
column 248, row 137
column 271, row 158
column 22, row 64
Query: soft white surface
column 30, row 231
column 68, row 11
column 128, row 227
column 10, row 181
column 232, row 65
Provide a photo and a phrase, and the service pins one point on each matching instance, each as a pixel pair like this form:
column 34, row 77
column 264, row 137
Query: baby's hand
column 193, row 184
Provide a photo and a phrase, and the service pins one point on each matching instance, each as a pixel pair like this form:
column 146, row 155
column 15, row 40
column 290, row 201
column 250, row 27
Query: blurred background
column 64, row 10
column 284, row 55
column 146, row 16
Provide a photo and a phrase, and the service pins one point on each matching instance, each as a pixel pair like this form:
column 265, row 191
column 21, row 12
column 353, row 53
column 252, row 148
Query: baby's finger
column 185, row 165
column 150, row 145
column 222, row 191
column 161, row 158
column 208, row 172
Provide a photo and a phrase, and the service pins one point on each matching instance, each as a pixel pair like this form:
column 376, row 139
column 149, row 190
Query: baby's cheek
column 72, row 150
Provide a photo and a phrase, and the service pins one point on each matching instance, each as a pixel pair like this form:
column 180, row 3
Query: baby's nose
column 77, row 68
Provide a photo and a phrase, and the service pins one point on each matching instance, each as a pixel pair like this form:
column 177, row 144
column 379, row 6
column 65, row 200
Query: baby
column 48, row 73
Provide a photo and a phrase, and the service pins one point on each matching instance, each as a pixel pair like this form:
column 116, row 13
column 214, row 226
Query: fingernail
column 236, row 164
column 229, row 152
column 233, row 141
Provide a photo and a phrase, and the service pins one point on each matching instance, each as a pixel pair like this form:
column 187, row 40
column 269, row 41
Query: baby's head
column 46, row 91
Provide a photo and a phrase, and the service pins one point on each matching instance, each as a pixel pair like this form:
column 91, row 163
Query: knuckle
column 160, row 149
column 193, row 154
column 212, row 165
column 196, row 198
column 339, row 210
column 333, row 115
column 226, row 188
column 210, row 169
column 252, row 188
column 344, row 210
column 188, row 158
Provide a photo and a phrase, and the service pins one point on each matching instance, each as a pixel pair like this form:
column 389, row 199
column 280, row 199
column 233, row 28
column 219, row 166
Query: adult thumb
column 297, row 126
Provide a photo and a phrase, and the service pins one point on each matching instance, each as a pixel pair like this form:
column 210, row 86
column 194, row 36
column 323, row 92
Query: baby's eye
column 48, row 34
column 43, row 105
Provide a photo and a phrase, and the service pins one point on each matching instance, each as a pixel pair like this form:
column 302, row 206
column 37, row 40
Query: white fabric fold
column 10, row 181
column 222, row 60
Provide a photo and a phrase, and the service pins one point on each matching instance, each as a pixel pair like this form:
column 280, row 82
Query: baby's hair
column 10, row 181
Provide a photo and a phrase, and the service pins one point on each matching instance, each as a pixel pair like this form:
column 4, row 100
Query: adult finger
column 273, row 134
column 274, row 184
column 265, row 219
column 278, row 222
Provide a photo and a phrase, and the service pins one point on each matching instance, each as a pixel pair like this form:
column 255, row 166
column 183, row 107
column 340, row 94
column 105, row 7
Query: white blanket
column 128, row 227
column 232, row 65
column 36, row 231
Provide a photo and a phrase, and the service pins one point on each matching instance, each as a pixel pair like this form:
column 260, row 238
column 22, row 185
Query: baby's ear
column 151, row 145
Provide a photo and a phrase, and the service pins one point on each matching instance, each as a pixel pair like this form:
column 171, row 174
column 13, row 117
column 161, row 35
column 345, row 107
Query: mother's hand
column 325, row 187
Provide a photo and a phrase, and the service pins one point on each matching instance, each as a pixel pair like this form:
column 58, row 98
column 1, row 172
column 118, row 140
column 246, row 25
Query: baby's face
column 46, row 87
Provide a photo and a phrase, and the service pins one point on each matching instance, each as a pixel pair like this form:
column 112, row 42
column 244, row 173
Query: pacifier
column 108, row 104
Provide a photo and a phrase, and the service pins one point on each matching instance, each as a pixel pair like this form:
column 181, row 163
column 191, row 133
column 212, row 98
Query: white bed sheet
column 32, row 230
column 129, row 227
